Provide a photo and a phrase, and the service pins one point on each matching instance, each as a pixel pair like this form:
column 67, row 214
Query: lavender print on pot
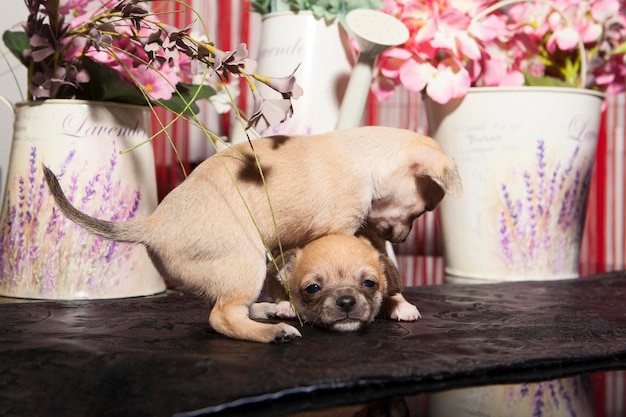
column 544, row 219
column 42, row 254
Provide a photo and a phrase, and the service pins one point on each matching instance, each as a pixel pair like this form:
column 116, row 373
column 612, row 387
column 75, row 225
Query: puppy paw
column 285, row 333
column 284, row 310
column 405, row 311
column 263, row 310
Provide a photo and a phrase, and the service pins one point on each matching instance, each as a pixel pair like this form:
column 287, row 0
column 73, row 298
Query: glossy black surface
column 157, row 356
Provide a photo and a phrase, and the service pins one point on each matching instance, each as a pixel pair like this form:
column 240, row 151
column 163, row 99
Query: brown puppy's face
column 337, row 282
column 392, row 217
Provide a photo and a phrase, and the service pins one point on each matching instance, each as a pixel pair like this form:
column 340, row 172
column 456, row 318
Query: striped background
column 230, row 22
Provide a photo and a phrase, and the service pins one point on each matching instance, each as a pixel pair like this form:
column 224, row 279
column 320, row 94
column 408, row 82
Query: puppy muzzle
column 394, row 232
column 349, row 316
column 346, row 303
column 397, row 233
column 347, row 325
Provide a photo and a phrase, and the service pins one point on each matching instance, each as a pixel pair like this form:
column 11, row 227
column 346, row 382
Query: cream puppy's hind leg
column 232, row 319
column 238, row 288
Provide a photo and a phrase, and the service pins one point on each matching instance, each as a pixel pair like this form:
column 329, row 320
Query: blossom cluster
column 458, row 44
column 119, row 50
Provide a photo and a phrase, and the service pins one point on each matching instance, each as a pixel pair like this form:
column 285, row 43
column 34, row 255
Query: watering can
column 326, row 67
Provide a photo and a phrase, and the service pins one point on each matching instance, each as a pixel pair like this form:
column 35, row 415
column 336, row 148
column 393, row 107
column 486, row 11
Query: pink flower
column 392, row 60
column 455, row 44
column 158, row 83
column 448, row 81
column 415, row 76
column 489, row 28
column 109, row 4
column 452, row 35
column 604, row 10
column 65, row 6
column 388, row 72
column 383, row 88
column 498, row 68
column 565, row 39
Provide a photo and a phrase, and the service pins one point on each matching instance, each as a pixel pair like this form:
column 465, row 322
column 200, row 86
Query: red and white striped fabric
column 230, row 22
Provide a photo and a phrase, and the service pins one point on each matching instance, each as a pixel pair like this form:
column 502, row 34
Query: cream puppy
column 337, row 282
column 212, row 232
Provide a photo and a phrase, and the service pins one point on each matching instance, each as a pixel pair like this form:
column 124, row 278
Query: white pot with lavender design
column 42, row 254
column 525, row 156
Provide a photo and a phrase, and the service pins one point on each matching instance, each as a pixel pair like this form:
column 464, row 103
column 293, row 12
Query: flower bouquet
column 95, row 70
column 112, row 50
column 455, row 45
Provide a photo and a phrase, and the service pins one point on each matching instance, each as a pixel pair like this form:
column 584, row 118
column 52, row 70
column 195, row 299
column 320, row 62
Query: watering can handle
column 8, row 103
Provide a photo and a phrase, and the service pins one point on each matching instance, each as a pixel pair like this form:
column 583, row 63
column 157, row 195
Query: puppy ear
column 281, row 263
column 446, row 177
column 370, row 236
column 433, row 163
column 394, row 281
column 279, row 268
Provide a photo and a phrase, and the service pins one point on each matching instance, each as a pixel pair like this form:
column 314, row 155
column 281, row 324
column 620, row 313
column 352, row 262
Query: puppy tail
column 122, row 232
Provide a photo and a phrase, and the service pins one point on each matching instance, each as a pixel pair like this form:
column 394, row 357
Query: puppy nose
column 346, row 303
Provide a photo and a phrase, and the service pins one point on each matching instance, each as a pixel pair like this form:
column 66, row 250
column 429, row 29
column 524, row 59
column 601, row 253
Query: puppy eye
column 312, row 289
column 368, row 283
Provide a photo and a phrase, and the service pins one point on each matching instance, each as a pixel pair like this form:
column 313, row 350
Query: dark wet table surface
column 157, row 356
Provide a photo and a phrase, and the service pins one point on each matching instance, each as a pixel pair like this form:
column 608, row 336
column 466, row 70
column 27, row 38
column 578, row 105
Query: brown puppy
column 337, row 282
column 211, row 233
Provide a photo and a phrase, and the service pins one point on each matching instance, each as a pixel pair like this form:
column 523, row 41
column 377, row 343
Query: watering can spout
column 374, row 32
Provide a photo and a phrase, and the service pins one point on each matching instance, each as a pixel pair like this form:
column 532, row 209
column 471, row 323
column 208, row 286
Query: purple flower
column 233, row 61
column 286, row 86
column 269, row 112
column 539, row 403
